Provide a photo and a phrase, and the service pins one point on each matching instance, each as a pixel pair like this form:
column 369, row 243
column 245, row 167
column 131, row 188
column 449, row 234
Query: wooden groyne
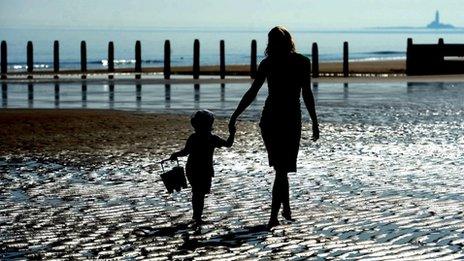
column 421, row 59
column 434, row 59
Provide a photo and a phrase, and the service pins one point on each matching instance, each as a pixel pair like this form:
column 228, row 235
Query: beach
column 85, row 184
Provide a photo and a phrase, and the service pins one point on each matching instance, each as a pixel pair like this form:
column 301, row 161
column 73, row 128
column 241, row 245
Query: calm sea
column 367, row 44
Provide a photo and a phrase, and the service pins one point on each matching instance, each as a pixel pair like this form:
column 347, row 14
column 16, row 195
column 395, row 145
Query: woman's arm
column 308, row 99
column 248, row 97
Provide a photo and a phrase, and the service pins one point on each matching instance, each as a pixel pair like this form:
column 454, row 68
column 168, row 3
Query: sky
column 227, row 14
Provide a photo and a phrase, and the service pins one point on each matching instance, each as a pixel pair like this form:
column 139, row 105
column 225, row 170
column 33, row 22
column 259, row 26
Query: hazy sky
column 247, row 14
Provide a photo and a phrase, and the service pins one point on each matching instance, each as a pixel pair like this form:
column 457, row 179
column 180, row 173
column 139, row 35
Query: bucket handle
column 163, row 161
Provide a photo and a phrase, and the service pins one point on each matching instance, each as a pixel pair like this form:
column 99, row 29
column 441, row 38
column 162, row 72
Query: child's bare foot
column 272, row 223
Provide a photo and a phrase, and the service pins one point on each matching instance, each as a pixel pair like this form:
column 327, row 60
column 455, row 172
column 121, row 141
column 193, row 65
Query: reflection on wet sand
column 4, row 95
column 138, row 95
column 345, row 90
column 84, row 95
column 57, row 95
column 167, row 96
column 111, row 95
column 196, row 96
column 30, row 95
column 223, row 92
column 421, row 86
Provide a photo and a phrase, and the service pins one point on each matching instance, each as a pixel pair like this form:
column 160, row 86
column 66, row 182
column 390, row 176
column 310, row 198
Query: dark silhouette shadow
column 138, row 95
column 162, row 231
column 251, row 235
column 4, row 95
column 84, row 95
column 111, row 95
column 57, row 95
column 30, row 95
column 288, row 76
column 234, row 238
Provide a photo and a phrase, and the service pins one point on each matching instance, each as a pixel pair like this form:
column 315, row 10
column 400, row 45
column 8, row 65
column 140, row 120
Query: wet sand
column 361, row 192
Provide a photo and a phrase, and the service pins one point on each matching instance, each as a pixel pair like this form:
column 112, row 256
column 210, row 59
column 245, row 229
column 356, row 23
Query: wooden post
column 83, row 60
column 196, row 59
column 30, row 59
column 110, row 60
column 253, row 63
column 409, row 56
column 315, row 60
column 138, row 60
column 222, row 60
column 346, row 68
column 56, row 59
column 167, row 59
column 4, row 60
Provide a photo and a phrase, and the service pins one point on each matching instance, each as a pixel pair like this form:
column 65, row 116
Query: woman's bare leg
column 286, row 212
column 279, row 196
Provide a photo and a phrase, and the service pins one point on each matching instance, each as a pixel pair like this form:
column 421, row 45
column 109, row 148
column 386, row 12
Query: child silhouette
column 200, row 149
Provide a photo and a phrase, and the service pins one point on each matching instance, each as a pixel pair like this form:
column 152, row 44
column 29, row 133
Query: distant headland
column 435, row 25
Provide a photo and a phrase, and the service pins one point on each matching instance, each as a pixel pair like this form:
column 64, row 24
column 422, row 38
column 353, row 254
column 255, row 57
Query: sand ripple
column 363, row 191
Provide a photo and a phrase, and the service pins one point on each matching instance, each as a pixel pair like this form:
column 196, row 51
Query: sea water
column 365, row 44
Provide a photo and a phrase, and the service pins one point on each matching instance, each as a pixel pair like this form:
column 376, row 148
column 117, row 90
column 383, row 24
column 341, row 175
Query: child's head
column 202, row 121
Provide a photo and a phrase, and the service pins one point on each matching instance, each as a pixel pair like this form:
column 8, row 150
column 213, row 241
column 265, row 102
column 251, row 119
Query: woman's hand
column 315, row 132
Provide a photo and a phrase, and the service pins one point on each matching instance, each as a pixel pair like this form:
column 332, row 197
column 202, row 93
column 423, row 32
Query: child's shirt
column 200, row 147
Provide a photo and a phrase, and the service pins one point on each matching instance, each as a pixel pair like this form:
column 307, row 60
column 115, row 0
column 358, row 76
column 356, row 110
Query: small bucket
column 173, row 179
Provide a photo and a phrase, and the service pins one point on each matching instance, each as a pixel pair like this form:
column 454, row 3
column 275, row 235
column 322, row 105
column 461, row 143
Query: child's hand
column 173, row 157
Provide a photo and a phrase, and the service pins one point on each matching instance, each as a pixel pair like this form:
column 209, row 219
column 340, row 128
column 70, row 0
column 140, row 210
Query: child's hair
column 202, row 120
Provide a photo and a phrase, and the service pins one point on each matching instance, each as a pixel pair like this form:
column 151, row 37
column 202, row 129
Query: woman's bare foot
column 287, row 216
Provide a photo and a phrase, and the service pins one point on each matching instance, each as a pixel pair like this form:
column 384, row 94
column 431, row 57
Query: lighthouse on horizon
column 435, row 24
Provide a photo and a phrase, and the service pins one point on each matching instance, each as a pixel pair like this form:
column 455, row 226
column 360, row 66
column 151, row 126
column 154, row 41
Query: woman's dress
column 281, row 116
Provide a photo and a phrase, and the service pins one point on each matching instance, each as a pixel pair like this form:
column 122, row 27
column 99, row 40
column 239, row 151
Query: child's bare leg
column 198, row 202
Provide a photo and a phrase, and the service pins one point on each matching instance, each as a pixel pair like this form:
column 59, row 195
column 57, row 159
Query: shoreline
column 329, row 67
column 330, row 72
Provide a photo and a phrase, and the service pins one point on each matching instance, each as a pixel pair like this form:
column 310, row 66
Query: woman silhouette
column 288, row 75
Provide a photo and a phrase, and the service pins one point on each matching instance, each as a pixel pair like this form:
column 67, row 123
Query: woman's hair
column 202, row 120
column 279, row 42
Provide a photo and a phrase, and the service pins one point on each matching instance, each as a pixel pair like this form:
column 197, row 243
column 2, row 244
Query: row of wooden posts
column 167, row 60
